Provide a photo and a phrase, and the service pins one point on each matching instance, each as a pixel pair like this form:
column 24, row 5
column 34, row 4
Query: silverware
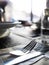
column 30, row 46
column 32, row 60
column 25, row 57
column 24, row 50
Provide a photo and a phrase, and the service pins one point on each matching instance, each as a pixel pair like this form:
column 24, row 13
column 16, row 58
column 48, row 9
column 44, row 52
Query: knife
column 25, row 57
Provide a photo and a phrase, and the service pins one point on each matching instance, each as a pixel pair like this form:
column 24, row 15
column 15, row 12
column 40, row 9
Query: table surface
column 18, row 40
column 8, row 57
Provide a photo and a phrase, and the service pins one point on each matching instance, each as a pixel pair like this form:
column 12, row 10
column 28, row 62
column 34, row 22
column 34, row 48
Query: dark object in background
column 25, row 23
column 46, row 19
column 37, row 31
column 3, row 3
column 46, row 22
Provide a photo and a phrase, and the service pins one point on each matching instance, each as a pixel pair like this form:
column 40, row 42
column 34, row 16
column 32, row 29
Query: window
column 22, row 8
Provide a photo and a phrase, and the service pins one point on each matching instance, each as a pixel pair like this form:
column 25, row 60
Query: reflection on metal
column 24, row 58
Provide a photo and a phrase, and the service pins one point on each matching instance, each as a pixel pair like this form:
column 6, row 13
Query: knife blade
column 24, row 58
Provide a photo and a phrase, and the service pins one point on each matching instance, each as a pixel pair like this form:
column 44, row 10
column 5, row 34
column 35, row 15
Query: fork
column 24, row 50
column 29, row 47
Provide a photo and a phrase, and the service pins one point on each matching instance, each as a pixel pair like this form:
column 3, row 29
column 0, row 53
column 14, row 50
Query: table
column 13, row 42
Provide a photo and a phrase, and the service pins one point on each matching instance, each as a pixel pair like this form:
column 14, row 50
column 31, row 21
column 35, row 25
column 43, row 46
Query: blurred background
column 21, row 22
column 22, row 9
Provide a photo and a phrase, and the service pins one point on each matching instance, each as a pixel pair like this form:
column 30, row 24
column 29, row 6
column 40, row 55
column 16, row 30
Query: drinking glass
column 45, row 27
